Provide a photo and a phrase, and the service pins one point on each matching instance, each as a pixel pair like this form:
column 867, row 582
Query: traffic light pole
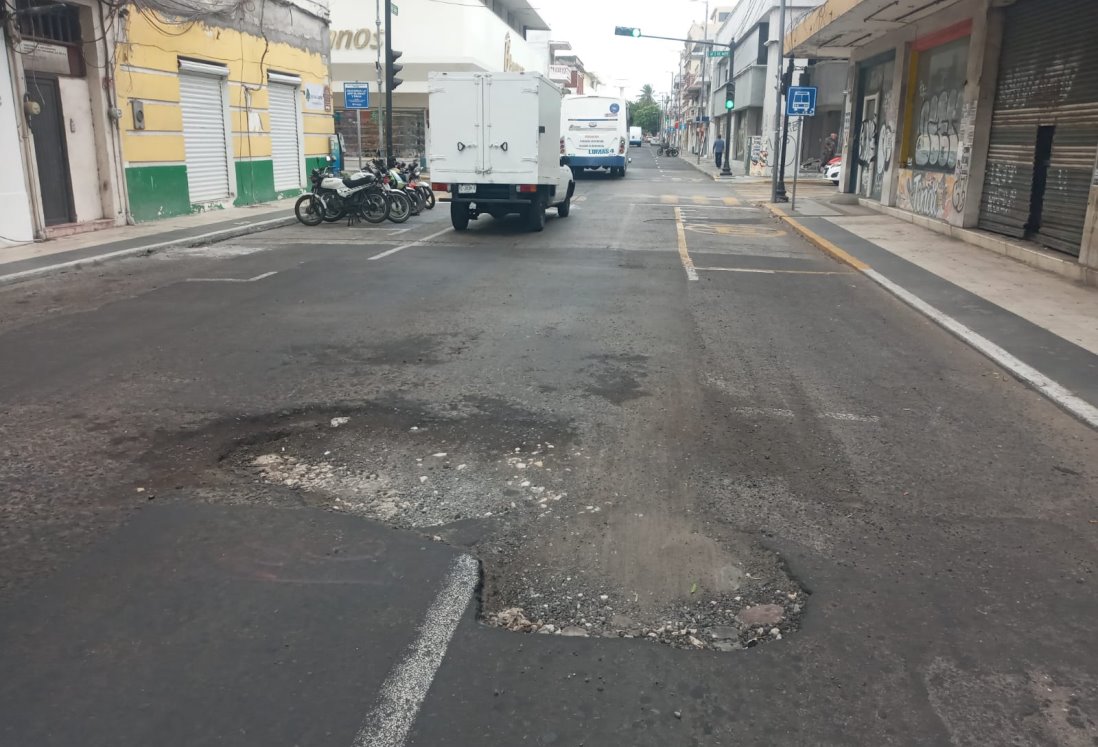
column 388, row 81
column 380, row 122
column 726, row 169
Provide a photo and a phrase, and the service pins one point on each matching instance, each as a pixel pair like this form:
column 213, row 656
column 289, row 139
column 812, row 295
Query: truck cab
column 495, row 146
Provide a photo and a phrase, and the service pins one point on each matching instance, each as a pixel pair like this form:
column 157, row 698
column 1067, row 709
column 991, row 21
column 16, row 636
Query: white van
column 636, row 137
column 593, row 133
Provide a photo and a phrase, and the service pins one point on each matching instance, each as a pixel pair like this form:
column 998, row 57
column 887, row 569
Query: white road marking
column 684, row 255
column 404, row 689
column 417, row 242
column 849, row 416
column 231, row 280
column 1062, row 396
column 768, row 272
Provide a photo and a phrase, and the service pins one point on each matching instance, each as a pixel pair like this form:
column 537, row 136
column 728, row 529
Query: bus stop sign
column 800, row 101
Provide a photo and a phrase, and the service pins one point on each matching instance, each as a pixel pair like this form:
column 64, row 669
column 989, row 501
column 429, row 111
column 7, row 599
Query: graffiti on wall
column 937, row 128
column 932, row 194
column 760, row 155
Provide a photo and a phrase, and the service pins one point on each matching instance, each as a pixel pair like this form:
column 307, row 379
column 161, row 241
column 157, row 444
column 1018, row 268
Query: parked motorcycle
column 400, row 205
column 410, row 172
column 333, row 197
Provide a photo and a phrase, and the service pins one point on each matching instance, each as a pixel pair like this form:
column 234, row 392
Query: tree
column 646, row 96
column 645, row 116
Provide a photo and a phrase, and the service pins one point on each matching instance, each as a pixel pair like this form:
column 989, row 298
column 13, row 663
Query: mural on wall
column 875, row 141
column 933, row 194
column 760, row 156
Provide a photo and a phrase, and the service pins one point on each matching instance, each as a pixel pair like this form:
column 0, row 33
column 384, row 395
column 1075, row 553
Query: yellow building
column 221, row 109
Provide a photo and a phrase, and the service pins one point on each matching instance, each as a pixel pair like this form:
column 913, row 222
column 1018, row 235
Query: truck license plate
column 467, row 189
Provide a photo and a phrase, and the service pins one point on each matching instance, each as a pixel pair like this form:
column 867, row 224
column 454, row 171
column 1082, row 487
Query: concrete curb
column 1062, row 397
column 212, row 237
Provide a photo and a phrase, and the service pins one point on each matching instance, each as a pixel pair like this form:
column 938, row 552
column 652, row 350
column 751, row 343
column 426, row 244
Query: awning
column 838, row 27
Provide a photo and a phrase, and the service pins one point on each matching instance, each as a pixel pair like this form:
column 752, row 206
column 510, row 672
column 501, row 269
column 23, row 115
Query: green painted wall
column 255, row 182
column 157, row 192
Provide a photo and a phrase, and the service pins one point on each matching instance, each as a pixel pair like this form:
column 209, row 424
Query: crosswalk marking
column 730, row 201
column 669, row 199
column 700, row 200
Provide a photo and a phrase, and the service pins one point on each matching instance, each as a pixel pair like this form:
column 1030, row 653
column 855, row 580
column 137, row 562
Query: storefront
column 932, row 179
column 1044, row 135
column 873, row 138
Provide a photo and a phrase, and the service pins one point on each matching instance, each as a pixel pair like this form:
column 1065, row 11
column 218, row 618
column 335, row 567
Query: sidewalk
column 1040, row 326
column 27, row 261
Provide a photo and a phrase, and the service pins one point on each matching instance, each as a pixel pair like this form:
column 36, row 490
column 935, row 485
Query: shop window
column 938, row 95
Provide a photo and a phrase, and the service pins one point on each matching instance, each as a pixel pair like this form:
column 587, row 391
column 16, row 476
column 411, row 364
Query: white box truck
column 495, row 146
column 636, row 137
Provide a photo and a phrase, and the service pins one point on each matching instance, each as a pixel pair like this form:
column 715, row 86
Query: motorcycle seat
column 352, row 183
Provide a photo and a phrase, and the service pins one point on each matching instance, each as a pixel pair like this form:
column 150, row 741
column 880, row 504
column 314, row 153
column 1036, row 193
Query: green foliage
column 645, row 116
column 646, row 96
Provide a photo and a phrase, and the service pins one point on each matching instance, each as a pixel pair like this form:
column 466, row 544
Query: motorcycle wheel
column 428, row 197
column 375, row 208
column 307, row 209
column 415, row 199
column 334, row 208
column 400, row 207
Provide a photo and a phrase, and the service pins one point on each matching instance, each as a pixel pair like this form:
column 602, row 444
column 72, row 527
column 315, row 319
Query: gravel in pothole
column 424, row 477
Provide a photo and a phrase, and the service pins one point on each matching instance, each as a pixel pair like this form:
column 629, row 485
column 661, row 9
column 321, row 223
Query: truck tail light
column 527, row 188
column 440, row 187
column 621, row 147
column 562, row 146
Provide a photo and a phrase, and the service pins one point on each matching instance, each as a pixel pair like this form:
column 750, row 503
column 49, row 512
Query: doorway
column 1042, row 159
column 51, row 151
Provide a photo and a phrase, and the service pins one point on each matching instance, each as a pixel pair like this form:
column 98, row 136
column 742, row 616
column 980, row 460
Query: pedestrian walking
column 718, row 149
column 828, row 151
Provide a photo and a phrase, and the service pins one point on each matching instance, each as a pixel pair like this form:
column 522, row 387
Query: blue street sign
column 800, row 101
column 356, row 95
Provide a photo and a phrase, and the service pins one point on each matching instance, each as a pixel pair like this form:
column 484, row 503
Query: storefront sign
column 42, row 57
column 318, row 98
column 560, row 73
column 353, row 38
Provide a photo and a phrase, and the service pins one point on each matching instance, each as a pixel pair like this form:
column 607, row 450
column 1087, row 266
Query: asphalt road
column 242, row 486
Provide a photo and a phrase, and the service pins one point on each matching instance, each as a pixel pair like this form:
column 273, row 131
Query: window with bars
column 52, row 22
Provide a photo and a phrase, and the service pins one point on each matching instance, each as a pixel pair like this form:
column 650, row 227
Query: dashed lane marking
column 731, row 201
column 684, row 255
column 699, row 200
column 669, row 199
column 232, row 280
column 410, row 244
column 784, row 414
column 404, row 690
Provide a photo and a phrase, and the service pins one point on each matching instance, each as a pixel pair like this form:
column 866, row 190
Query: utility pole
column 702, row 108
column 778, row 101
column 780, row 195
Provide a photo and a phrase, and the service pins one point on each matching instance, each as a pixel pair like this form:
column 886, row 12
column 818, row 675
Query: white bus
column 594, row 134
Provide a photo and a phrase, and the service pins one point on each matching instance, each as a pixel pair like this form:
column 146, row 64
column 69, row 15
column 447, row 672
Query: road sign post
column 356, row 97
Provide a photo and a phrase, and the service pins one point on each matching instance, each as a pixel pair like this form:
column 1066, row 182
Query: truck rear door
column 457, row 117
column 511, row 135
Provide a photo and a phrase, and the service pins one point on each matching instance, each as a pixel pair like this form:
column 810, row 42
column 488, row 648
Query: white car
column 835, row 173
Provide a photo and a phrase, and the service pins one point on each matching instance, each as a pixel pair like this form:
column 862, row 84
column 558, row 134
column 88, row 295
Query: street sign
column 396, row 10
column 718, row 52
column 356, row 95
column 800, row 101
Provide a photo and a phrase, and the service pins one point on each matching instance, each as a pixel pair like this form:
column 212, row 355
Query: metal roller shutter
column 1046, row 80
column 204, row 137
column 285, row 139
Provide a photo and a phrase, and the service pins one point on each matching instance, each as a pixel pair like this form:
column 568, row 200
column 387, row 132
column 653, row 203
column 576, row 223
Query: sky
column 589, row 26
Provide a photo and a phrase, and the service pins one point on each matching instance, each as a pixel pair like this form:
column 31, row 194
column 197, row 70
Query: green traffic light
column 627, row 31
column 729, row 104
column 636, row 33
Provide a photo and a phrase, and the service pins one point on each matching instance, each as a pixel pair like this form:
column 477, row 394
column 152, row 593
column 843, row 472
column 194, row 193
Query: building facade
column 227, row 108
column 477, row 35
column 753, row 66
column 973, row 113
column 131, row 113
column 57, row 133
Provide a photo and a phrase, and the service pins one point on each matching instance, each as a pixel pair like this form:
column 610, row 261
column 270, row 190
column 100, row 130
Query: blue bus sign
column 356, row 95
column 800, row 101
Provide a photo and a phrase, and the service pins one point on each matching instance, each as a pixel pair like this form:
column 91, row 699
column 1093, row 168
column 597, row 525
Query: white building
column 474, row 35
column 755, row 68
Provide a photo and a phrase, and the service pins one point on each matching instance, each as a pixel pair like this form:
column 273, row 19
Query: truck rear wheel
column 535, row 215
column 459, row 215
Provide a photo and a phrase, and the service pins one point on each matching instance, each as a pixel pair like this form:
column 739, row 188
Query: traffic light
column 730, row 96
column 787, row 77
column 627, row 31
column 391, row 70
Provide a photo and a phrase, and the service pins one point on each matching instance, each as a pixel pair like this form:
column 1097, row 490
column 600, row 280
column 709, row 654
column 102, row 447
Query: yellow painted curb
column 819, row 241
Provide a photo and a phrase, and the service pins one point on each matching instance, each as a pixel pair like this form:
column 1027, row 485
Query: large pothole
column 515, row 488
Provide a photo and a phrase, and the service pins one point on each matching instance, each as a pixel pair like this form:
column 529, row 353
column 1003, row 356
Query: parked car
column 834, row 170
